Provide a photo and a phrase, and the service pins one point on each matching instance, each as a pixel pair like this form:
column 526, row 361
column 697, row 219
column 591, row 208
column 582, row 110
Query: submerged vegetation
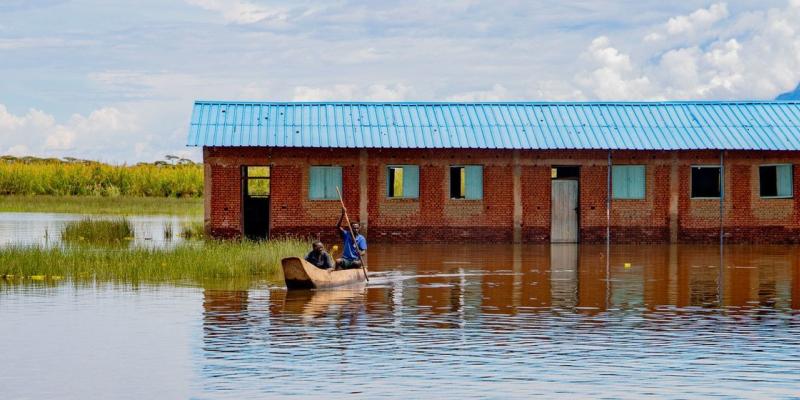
column 87, row 230
column 193, row 230
column 191, row 261
column 72, row 177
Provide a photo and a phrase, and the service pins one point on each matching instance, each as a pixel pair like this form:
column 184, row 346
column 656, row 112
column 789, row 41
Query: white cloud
column 41, row 42
column 105, row 133
column 699, row 19
column 754, row 55
column 496, row 93
column 242, row 11
column 345, row 92
column 613, row 75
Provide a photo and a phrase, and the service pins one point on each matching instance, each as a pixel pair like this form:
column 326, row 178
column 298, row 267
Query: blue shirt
column 349, row 251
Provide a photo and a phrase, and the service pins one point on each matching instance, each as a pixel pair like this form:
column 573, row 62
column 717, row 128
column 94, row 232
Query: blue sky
column 115, row 81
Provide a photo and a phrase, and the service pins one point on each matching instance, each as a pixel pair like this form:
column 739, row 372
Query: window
column 775, row 180
column 323, row 181
column 402, row 181
column 627, row 182
column 466, row 182
column 256, row 181
column 705, row 182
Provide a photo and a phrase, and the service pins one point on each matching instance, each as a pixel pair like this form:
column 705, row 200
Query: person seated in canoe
column 319, row 257
column 351, row 257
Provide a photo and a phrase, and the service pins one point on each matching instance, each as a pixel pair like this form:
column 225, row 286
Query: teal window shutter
column 316, row 183
column 333, row 180
column 636, row 182
column 411, row 181
column 628, row 182
column 619, row 179
column 474, row 182
column 784, row 177
column 323, row 181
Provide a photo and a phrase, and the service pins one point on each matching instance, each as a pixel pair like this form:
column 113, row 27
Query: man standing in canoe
column 351, row 257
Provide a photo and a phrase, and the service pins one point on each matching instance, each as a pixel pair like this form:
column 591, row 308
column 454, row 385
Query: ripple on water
column 500, row 325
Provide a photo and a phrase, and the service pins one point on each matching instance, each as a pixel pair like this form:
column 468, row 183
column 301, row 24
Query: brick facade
column 516, row 197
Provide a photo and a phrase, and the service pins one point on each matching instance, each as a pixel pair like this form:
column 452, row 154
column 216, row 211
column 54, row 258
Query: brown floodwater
column 449, row 321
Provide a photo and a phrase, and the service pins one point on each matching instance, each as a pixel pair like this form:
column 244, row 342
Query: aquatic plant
column 191, row 261
column 193, row 230
column 98, row 231
column 168, row 231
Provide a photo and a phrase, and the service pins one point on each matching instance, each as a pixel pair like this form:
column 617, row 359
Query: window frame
column 403, row 167
column 341, row 180
column 246, row 179
column 721, row 181
column 644, row 182
column 791, row 187
column 450, row 178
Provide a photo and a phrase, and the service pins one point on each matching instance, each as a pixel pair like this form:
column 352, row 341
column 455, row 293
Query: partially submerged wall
column 516, row 200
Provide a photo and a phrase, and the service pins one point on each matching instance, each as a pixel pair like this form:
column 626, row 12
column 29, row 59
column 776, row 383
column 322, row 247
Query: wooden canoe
column 300, row 274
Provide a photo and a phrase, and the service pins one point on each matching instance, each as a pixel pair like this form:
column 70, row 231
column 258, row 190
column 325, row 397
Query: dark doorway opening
column 564, row 172
column 255, row 201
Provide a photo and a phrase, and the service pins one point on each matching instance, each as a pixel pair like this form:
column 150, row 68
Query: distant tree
column 185, row 161
column 171, row 158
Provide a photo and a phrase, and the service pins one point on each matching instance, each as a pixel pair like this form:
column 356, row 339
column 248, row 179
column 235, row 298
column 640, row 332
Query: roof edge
column 416, row 103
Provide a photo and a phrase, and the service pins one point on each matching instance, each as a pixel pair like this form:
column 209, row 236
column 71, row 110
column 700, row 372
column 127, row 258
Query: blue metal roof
column 751, row 125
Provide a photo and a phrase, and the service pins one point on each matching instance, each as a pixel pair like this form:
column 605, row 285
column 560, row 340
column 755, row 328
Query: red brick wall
column 434, row 217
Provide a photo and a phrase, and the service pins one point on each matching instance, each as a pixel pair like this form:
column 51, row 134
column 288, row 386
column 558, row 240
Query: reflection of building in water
column 592, row 279
column 564, row 275
column 446, row 286
column 223, row 308
column 536, row 290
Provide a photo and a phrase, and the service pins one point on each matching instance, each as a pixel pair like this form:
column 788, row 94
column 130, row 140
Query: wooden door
column 564, row 211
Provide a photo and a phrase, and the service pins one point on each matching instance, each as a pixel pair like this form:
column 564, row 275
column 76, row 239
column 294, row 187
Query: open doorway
column 564, row 204
column 255, row 201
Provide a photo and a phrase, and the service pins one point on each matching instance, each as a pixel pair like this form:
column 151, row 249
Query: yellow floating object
column 56, row 277
column 627, row 265
column 37, row 277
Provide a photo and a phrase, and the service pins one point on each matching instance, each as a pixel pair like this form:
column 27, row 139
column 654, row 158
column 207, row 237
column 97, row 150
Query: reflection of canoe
column 315, row 303
column 300, row 274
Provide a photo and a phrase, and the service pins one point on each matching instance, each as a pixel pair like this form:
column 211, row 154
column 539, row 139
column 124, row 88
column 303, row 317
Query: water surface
column 446, row 321
column 44, row 229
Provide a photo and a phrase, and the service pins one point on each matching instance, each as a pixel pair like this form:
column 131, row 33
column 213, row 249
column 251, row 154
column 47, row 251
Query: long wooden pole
column 352, row 236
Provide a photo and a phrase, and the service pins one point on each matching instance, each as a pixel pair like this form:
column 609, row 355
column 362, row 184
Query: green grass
column 192, row 262
column 32, row 176
column 193, row 230
column 123, row 205
column 113, row 231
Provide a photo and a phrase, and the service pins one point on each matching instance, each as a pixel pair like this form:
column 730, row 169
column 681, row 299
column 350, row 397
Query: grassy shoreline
column 122, row 205
column 193, row 261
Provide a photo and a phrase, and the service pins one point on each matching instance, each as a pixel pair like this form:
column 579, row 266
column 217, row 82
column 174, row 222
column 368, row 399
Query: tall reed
column 198, row 261
column 30, row 176
column 102, row 231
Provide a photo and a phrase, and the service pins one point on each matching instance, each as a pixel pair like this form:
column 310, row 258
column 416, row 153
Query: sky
column 115, row 80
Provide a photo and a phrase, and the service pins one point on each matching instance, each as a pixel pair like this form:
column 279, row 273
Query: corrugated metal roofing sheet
column 773, row 125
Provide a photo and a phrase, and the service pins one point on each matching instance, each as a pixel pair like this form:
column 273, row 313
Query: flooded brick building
column 504, row 172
